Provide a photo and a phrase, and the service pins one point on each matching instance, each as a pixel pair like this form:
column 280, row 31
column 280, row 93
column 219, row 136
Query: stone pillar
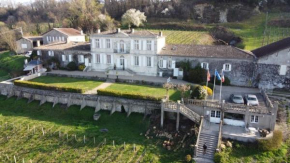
column 177, row 121
column 162, row 115
column 37, row 43
column 247, row 117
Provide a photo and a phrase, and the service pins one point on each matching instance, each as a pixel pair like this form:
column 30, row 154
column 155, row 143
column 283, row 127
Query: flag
column 223, row 76
column 208, row 76
column 217, row 75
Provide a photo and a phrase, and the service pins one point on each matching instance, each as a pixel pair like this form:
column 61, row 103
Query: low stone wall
column 98, row 102
column 30, row 77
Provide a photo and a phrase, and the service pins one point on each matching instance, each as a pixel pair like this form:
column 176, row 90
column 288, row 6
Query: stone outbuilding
column 26, row 44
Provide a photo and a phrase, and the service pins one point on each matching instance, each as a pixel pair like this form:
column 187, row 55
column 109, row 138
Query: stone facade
column 57, row 35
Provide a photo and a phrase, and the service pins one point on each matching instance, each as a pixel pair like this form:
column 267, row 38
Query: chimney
column 99, row 31
column 160, row 34
column 118, row 30
column 132, row 30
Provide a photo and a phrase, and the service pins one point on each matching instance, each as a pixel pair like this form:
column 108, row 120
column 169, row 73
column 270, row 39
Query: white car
column 237, row 99
column 252, row 100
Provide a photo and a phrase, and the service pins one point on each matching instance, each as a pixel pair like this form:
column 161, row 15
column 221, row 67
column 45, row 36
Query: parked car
column 237, row 99
column 251, row 100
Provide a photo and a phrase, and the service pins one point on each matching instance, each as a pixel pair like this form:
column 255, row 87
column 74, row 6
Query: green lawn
column 248, row 153
column 84, row 84
column 174, row 95
column 23, row 143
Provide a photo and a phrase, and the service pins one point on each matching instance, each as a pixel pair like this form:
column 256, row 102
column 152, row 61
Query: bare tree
column 9, row 38
column 168, row 86
column 183, row 88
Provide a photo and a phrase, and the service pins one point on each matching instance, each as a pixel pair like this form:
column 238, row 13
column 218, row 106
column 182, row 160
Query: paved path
column 103, row 75
column 102, row 86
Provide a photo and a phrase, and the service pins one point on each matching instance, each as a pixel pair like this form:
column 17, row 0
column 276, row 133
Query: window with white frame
column 254, row 119
column 63, row 58
column 149, row 61
column 204, row 65
column 50, row 53
column 136, row 60
column 109, row 59
column 215, row 114
column 24, row 46
column 227, row 67
column 47, row 38
column 170, row 64
column 149, row 44
column 98, row 58
column 136, row 44
column 108, row 43
column 161, row 63
column 122, row 46
column 62, row 38
column 97, row 43
column 50, row 39
column 283, row 70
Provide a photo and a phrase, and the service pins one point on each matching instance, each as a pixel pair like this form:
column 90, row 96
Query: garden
column 49, row 134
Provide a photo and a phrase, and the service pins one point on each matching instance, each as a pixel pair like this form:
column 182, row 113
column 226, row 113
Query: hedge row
column 127, row 95
column 37, row 85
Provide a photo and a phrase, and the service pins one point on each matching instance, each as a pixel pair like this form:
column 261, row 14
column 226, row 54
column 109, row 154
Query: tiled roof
column 67, row 31
column 272, row 48
column 33, row 38
column 129, row 33
column 206, row 51
column 66, row 46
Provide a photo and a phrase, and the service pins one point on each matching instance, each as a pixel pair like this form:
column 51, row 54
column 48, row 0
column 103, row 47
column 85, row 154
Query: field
column 248, row 153
column 253, row 31
column 174, row 95
column 46, row 134
column 10, row 65
column 84, row 84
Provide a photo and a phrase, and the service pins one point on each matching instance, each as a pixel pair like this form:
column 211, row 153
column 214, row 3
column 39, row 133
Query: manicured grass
column 174, row 95
column 23, row 143
column 248, row 153
column 84, row 84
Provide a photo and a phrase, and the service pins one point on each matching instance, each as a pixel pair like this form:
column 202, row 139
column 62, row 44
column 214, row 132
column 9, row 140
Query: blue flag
column 217, row 75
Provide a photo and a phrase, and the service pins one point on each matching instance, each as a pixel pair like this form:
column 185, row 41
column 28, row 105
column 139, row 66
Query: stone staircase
column 211, row 140
column 190, row 114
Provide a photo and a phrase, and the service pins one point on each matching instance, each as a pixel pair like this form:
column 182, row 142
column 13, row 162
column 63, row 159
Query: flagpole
column 213, row 85
column 221, row 88
column 206, row 82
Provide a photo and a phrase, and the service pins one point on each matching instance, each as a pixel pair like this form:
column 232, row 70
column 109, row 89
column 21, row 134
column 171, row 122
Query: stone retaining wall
column 98, row 102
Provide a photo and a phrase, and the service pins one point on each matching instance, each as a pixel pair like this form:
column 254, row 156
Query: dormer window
column 97, row 43
column 136, row 44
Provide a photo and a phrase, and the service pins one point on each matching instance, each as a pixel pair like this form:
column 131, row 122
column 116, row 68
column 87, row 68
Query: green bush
column 210, row 85
column 272, row 143
column 199, row 93
column 47, row 87
column 227, row 81
column 72, row 66
column 82, row 67
column 188, row 158
column 217, row 157
column 127, row 95
column 197, row 75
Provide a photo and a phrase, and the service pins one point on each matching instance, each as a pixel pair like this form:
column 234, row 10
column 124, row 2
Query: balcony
column 122, row 51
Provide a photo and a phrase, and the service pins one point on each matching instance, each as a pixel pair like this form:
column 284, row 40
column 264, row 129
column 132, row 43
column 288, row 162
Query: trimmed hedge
column 37, row 85
column 127, row 95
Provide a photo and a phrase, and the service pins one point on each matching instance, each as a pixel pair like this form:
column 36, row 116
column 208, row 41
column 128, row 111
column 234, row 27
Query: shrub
column 217, row 157
column 72, row 66
column 208, row 90
column 197, row 75
column 36, row 85
column 127, row 95
column 272, row 143
column 188, row 158
column 210, row 85
column 82, row 67
column 199, row 93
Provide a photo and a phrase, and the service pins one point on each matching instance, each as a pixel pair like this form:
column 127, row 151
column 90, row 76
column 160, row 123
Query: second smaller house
column 26, row 44
column 66, row 35
column 33, row 67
